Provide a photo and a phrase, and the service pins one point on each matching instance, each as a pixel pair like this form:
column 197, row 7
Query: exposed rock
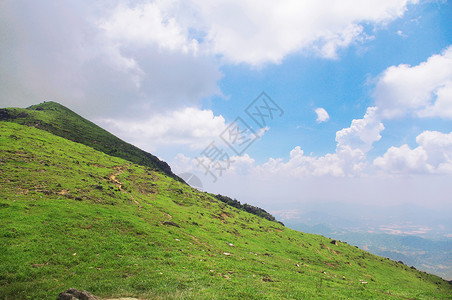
column 170, row 223
column 22, row 115
column 4, row 114
column 74, row 294
column 126, row 298
column 66, row 296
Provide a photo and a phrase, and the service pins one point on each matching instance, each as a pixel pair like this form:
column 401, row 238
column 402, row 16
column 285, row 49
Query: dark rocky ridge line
column 248, row 208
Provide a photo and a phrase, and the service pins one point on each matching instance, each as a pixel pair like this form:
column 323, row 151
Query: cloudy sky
column 357, row 104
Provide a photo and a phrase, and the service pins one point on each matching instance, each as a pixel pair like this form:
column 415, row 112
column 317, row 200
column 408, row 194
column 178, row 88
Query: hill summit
column 61, row 121
column 73, row 216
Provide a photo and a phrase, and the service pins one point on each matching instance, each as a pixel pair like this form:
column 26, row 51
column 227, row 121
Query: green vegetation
column 59, row 120
column 246, row 207
column 72, row 216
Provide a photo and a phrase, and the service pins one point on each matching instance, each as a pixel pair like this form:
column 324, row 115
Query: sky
column 280, row 104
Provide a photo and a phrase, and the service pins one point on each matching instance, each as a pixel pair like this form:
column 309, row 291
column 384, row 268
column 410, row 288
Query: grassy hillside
column 71, row 216
column 429, row 255
column 59, row 120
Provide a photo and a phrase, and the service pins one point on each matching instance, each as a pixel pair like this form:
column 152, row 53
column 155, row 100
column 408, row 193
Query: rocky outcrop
column 4, row 115
column 74, row 294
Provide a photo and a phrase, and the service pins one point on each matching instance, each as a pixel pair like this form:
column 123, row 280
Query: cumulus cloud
column 432, row 155
column 148, row 23
column 300, row 165
column 266, row 31
column 225, row 166
column 77, row 53
column 322, row 115
column 362, row 133
column 349, row 159
column 190, row 127
column 424, row 90
column 403, row 160
column 136, row 57
column 346, row 162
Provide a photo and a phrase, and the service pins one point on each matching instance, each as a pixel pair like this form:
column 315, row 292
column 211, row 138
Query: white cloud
column 424, row 90
column 184, row 164
column 322, row 115
column 257, row 32
column 403, row 160
column 190, row 127
column 400, row 33
column 77, row 53
column 300, row 165
column 237, row 165
column 433, row 155
column 345, row 162
column 132, row 58
column 148, row 24
column 241, row 165
column 362, row 133
column 249, row 31
column 349, row 160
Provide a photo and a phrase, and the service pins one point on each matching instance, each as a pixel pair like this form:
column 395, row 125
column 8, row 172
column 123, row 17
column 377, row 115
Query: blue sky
column 171, row 76
column 342, row 86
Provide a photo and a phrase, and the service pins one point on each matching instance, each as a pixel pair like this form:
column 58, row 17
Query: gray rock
column 66, row 296
column 74, row 294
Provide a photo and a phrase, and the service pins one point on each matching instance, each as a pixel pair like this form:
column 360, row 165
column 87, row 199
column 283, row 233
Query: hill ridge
column 61, row 121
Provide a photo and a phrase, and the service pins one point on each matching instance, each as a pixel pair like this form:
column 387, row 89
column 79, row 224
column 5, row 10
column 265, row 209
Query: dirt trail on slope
column 118, row 171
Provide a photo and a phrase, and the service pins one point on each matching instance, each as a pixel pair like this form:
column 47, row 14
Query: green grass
column 59, row 120
column 71, row 216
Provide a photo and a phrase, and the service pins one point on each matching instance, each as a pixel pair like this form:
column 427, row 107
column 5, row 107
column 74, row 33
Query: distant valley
column 426, row 245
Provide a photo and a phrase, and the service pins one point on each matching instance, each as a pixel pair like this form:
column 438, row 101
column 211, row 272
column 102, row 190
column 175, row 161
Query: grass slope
column 71, row 216
column 59, row 120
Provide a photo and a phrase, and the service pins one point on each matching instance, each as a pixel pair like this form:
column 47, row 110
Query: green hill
column 72, row 216
column 59, row 120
